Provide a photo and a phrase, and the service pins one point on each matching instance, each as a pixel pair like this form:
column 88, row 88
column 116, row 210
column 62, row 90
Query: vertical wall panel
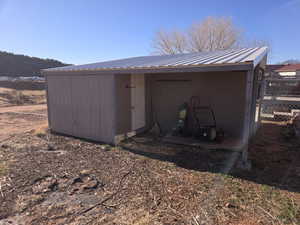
column 83, row 106
column 138, row 118
column 93, row 107
column 106, row 104
column 123, row 103
column 81, row 102
column 60, row 104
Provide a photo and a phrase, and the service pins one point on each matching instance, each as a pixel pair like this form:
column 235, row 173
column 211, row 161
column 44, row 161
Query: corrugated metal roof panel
column 289, row 67
column 232, row 56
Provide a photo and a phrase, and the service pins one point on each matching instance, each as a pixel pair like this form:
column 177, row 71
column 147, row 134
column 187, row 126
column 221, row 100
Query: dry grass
column 166, row 184
column 268, row 204
column 3, row 164
column 3, row 169
column 10, row 97
column 42, row 130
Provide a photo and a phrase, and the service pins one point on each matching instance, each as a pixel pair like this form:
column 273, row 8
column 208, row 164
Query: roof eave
column 292, row 70
column 194, row 68
column 260, row 57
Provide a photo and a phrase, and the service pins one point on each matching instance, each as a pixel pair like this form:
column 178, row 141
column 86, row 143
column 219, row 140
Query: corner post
column 247, row 119
column 47, row 100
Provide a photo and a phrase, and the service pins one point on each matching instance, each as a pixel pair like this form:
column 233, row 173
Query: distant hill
column 21, row 65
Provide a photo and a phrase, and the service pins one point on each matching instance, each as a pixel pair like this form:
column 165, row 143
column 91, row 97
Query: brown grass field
column 11, row 97
column 21, row 93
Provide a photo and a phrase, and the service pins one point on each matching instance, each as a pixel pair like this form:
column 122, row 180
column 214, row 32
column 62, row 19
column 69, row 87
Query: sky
column 86, row 31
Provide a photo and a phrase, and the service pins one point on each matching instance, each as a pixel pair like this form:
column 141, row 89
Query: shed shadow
column 275, row 161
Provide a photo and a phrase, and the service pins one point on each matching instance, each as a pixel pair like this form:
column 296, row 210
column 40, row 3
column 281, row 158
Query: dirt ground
column 51, row 179
column 16, row 120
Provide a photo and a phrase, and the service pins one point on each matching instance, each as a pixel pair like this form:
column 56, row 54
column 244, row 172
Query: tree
column 170, row 42
column 208, row 35
column 213, row 34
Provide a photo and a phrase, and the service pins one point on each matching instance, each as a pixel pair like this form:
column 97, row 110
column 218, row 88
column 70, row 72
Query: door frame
column 138, row 101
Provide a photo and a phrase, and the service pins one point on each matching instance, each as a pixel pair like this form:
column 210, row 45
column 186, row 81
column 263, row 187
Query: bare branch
column 213, row 34
column 169, row 42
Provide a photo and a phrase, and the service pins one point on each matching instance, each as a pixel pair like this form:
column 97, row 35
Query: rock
column 45, row 185
column 85, row 172
column 76, row 180
column 27, row 201
column 92, row 184
column 229, row 205
column 4, row 146
column 63, row 183
column 105, row 147
column 50, row 147
column 83, row 183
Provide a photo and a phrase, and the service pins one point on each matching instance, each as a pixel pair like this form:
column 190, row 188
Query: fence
column 281, row 97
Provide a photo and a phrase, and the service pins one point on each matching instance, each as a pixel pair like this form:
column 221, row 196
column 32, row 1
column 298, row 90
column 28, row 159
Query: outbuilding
column 108, row 101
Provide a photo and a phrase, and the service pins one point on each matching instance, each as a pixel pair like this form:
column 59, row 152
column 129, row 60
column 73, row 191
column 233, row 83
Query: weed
column 3, row 169
column 282, row 207
column 27, row 201
column 41, row 135
column 266, row 188
column 227, row 176
column 289, row 211
column 41, row 131
column 17, row 97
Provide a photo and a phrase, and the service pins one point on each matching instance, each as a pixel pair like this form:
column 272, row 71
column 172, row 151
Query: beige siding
column 123, row 104
column 82, row 106
column 223, row 91
column 137, row 101
column 97, row 107
column 60, row 104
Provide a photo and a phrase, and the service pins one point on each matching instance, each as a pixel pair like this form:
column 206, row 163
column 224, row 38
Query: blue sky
column 83, row 31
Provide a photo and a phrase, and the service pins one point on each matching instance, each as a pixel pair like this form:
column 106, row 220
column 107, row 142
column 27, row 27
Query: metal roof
column 289, row 67
column 225, row 57
column 273, row 67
